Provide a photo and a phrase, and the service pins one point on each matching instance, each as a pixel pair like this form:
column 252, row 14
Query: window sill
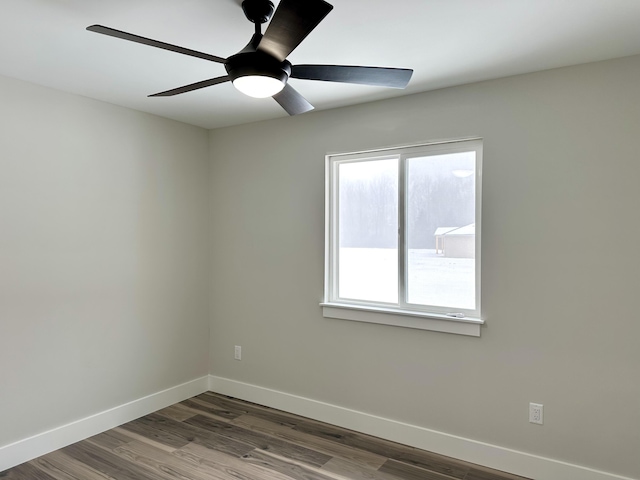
column 407, row 319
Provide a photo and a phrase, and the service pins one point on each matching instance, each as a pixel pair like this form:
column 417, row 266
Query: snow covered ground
column 371, row 273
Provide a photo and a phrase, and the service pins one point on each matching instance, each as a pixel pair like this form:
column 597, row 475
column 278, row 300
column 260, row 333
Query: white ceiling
column 446, row 42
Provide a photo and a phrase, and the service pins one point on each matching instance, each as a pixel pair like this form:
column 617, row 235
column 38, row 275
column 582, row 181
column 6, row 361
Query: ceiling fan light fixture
column 259, row 86
column 256, row 74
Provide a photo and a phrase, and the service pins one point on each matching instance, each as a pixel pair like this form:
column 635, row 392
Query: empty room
column 319, row 240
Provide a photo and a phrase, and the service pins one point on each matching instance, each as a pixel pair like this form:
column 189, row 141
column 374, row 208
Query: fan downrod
column 258, row 11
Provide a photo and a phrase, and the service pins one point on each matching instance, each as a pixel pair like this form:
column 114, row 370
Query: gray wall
column 561, row 174
column 104, row 241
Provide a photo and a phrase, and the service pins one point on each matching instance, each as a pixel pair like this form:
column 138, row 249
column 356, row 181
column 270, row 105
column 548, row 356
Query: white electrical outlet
column 238, row 353
column 536, row 413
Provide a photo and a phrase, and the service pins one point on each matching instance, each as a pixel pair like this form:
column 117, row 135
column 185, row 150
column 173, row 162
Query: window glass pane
column 368, row 230
column 441, row 230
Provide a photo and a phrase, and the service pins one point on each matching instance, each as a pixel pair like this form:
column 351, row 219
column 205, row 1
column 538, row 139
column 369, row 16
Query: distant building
column 440, row 233
column 456, row 242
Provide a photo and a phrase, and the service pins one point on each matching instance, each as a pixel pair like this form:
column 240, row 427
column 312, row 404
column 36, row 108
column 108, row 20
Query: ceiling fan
column 261, row 69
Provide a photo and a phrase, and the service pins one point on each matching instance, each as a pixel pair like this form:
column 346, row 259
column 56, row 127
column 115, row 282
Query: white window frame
column 464, row 322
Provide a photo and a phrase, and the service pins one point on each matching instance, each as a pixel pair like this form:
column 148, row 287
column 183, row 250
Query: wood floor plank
column 167, row 464
column 199, row 407
column 261, row 441
column 357, row 456
column 240, row 407
column 180, row 429
column 177, row 412
column 63, row 467
column 26, row 471
column 433, row 462
column 132, row 436
column 144, row 428
column 293, row 469
column 232, row 466
column 386, row 448
column 481, row 473
column 408, row 472
column 107, row 440
column 219, row 408
column 450, row 466
column 189, row 433
column 353, row 471
column 109, row 463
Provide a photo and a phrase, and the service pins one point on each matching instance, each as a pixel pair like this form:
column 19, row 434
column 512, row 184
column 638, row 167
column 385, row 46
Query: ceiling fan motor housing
column 257, row 63
column 258, row 11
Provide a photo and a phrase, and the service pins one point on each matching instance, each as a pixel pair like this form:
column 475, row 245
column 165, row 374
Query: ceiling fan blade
column 375, row 76
column 191, row 87
column 292, row 101
column 153, row 43
column 292, row 21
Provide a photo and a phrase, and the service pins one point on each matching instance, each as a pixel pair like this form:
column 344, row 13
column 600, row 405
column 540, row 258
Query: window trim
column 403, row 314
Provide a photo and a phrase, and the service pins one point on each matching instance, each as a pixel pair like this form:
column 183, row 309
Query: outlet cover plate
column 536, row 413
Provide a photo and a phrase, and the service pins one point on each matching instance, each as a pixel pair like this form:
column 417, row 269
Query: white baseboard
column 493, row 456
column 45, row 442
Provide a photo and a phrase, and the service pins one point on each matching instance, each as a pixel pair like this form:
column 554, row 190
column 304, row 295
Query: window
column 403, row 237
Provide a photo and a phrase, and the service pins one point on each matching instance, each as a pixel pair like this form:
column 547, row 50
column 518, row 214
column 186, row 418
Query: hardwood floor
column 212, row 437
